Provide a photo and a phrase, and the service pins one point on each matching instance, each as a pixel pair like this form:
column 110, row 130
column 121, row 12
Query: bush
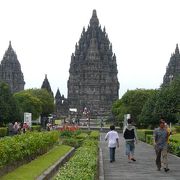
column 83, row 165
column 72, row 142
column 36, row 128
column 149, row 139
column 177, row 129
column 26, row 146
column 142, row 133
column 94, row 134
column 82, row 136
column 3, row 131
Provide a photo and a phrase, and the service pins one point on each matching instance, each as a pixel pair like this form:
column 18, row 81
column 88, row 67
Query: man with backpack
column 130, row 136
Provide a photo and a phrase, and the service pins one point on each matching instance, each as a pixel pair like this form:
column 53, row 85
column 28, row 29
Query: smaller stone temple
column 46, row 85
column 173, row 68
column 61, row 104
column 10, row 70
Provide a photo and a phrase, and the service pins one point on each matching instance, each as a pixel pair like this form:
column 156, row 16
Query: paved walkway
column 143, row 169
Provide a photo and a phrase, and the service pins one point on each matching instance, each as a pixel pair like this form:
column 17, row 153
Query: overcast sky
column 43, row 33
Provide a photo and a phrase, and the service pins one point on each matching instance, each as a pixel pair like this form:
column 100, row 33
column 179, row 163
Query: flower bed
column 25, row 146
column 83, row 165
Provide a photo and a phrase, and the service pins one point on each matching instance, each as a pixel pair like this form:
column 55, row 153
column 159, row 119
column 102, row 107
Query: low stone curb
column 101, row 168
column 46, row 175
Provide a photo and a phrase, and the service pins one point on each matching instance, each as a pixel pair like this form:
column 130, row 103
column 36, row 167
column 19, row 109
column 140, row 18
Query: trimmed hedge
column 72, row 142
column 36, row 128
column 177, row 128
column 27, row 145
column 94, row 134
column 3, row 131
column 35, row 168
column 142, row 133
column 83, row 165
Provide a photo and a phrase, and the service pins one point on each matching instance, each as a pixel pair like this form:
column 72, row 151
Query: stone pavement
column 143, row 169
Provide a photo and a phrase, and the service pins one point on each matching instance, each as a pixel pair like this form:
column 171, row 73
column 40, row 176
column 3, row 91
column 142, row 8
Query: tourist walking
column 161, row 145
column 130, row 136
column 113, row 142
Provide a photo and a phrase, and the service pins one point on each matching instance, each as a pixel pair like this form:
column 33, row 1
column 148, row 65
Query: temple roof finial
column 177, row 49
column 94, row 20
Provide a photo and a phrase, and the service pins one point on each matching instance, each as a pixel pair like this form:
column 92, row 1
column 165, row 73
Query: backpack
column 129, row 134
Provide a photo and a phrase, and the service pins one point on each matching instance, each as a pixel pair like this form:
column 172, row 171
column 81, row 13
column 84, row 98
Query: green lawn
column 35, row 168
column 176, row 137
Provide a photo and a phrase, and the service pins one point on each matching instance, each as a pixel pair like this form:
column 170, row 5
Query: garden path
column 143, row 169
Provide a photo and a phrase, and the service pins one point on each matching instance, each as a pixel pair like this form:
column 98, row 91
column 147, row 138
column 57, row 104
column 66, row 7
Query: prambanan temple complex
column 93, row 81
column 93, row 84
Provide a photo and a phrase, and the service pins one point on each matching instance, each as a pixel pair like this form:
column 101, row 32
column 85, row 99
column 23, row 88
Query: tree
column 147, row 117
column 46, row 99
column 168, row 102
column 28, row 103
column 131, row 103
column 36, row 101
column 164, row 103
column 9, row 110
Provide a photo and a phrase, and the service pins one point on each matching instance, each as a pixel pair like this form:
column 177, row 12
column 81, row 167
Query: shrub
column 82, row 136
column 142, row 133
column 177, row 128
column 3, row 131
column 149, row 139
column 24, row 146
column 94, row 134
column 72, row 142
column 36, row 128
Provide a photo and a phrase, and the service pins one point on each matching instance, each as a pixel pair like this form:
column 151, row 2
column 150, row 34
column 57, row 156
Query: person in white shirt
column 113, row 142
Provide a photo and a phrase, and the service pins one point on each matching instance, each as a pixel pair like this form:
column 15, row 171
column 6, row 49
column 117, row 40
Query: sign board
column 28, row 118
column 57, row 122
column 126, row 117
column 73, row 109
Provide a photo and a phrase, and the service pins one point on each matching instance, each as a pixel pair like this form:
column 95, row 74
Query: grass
column 176, row 137
column 35, row 168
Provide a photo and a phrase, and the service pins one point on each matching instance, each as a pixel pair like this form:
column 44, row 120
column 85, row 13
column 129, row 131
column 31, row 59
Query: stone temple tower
column 173, row 68
column 93, row 82
column 46, row 85
column 10, row 71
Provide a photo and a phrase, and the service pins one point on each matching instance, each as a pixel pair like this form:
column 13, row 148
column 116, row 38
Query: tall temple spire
column 93, row 81
column 177, row 49
column 94, row 22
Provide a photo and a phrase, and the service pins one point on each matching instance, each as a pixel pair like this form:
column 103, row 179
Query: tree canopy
column 9, row 110
column 132, row 103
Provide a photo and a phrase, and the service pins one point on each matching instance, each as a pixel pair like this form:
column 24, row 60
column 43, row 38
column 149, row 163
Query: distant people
column 113, row 142
column 16, row 128
column 130, row 136
column 25, row 127
column 101, row 123
column 161, row 145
